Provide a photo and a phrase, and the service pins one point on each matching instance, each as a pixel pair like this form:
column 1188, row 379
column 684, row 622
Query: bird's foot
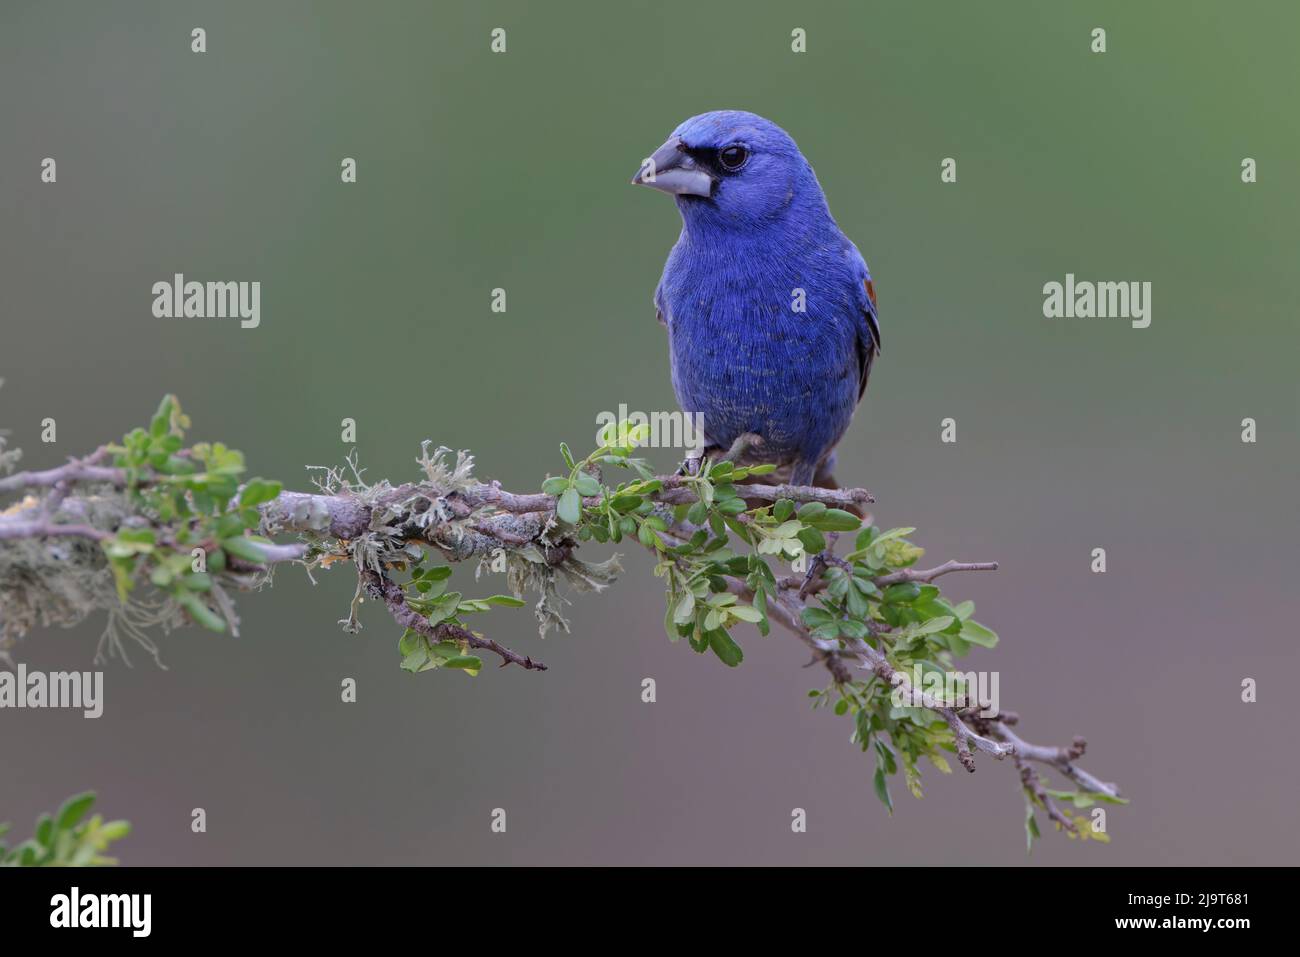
column 694, row 459
column 745, row 442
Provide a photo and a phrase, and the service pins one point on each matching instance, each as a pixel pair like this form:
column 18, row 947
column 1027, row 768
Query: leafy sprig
column 66, row 838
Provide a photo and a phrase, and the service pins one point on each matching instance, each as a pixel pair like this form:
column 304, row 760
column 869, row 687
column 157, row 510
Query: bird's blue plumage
column 743, row 354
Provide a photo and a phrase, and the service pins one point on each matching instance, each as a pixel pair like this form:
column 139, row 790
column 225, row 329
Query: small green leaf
column 976, row 634
column 73, row 810
column 811, row 510
column 834, row 520
column 816, row 617
column 726, row 649
column 902, row 592
column 1031, row 828
column 812, row 540
column 200, row 612
column 258, row 491
column 882, row 789
column 569, row 507
column 698, row 513
column 469, row 663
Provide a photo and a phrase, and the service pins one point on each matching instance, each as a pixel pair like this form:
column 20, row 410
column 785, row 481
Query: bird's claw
column 691, row 464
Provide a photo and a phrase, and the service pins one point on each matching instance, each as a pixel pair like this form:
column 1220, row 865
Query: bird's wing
column 868, row 324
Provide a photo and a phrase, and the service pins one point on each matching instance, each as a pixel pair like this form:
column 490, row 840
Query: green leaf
column 812, row 540
column 816, row 617
column 857, row 601
column 162, row 419
column 569, row 507
column 732, row 506
column 409, row 642
column 199, row 611
column 902, row 592
column 834, row 520
column 114, row 831
column 258, row 491
column 704, row 489
column 811, row 510
column 416, row 660
column 976, row 634
column 862, row 548
column 783, row 509
column 73, row 810
column 1031, row 828
column 882, row 789
column 555, row 485
column 587, row 485
column 444, row 607
column 469, row 663
column 725, row 648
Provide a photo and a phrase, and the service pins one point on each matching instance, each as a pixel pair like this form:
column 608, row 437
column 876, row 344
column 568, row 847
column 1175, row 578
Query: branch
column 46, row 529
column 77, row 470
column 928, row 575
column 383, row 588
column 150, row 531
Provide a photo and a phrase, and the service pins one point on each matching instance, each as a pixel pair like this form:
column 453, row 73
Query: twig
column 48, row 529
column 384, row 589
column 928, row 575
column 76, row 471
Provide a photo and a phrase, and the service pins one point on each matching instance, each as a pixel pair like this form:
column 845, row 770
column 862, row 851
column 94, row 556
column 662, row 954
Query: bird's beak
column 672, row 170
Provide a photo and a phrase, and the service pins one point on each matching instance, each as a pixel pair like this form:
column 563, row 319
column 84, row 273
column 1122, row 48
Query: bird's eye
column 733, row 158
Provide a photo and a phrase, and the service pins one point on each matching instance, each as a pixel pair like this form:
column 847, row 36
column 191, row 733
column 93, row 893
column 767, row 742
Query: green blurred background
column 479, row 171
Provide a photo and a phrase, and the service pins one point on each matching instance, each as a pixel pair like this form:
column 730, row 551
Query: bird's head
column 730, row 168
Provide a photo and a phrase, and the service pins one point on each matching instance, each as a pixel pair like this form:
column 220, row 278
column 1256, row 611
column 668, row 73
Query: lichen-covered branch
column 158, row 533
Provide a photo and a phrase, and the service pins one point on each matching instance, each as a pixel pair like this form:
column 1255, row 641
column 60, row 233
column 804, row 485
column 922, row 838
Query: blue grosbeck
column 770, row 309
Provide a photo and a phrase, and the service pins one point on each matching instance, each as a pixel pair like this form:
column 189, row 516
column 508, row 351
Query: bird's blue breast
column 745, row 358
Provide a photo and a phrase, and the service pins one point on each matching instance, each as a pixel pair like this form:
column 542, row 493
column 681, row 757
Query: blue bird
column 770, row 309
